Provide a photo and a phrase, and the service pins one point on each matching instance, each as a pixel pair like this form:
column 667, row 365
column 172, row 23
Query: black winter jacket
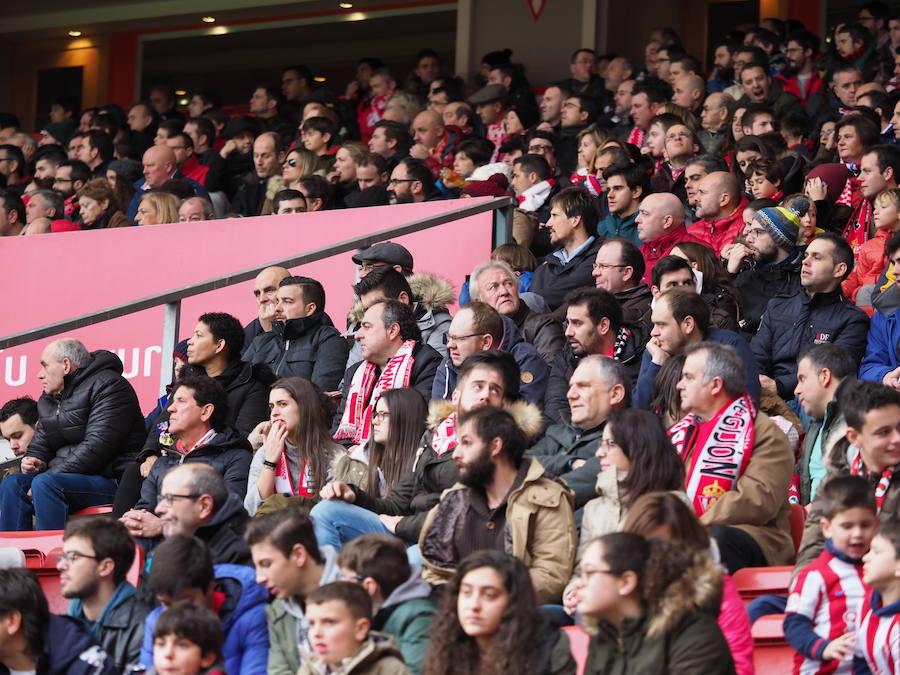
column 792, row 322
column 228, row 452
column 68, row 649
column 553, row 280
column 94, row 426
column 307, row 347
column 758, row 285
column 224, row 535
column 247, row 386
column 541, row 331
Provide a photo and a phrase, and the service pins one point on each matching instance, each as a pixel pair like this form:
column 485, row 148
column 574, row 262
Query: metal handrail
column 501, row 206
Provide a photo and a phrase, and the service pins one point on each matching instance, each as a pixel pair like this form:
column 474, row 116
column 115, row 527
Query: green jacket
column 406, row 616
column 679, row 635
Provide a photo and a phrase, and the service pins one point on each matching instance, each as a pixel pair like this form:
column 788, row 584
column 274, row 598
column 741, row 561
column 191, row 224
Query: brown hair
column 486, row 321
column 99, row 190
column 665, row 509
column 380, row 556
column 519, row 257
column 408, row 410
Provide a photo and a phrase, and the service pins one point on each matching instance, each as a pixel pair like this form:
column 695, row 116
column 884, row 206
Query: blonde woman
column 157, row 208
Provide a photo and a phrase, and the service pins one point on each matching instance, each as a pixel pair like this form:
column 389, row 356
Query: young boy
column 400, row 596
column 187, row 640
column 340, row 616
column 826, row 597
column 764, row 177
column 878, row 637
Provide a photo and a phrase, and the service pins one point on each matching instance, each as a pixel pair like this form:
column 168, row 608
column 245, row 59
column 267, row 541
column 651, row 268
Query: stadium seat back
column 751, row 582
column 579, row 641
column 797, row 520
column 771, row 652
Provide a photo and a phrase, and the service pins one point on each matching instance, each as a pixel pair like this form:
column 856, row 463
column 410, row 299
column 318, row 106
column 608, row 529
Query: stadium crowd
column 695, row 332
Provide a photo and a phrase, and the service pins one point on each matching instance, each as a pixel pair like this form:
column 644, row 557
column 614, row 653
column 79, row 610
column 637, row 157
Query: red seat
column 751, row 582
column 771, row 653
column 95, row 510
column 798, row 521
column 578, row 645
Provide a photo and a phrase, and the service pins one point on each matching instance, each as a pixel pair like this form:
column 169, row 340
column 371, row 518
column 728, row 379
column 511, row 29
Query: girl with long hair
column 651, row 606
column 488, row 623
column 297, row 450
column 718, row 290
column 398, row 422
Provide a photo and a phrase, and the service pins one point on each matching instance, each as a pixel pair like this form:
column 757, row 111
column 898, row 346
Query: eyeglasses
column 607, row 443
column 458, row 338
column 396, row 181
column 677, row 135
column 586, row 574
column 380, row 416
column 539, row 149
column 755, row 232
column 68, row 557
column 603, row 266
column 369, row 266
column 169, row 499
column 572, row 105
column 352, row 578
column 63, row 180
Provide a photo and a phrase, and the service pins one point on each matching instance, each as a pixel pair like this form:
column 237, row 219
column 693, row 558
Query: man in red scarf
column 738, row 464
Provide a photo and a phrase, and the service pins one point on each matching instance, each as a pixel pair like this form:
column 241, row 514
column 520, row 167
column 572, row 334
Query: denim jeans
column 338, row 522
column 53, row 496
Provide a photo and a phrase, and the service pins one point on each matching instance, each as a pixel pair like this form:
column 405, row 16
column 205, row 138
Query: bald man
column 435, row 144
column 719, row 206
column 265, row 288
column 689, row 92
column 660, row 226
column 160, row 166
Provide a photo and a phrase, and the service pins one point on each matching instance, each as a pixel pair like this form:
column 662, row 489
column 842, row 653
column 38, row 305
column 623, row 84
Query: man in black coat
column 90, row 426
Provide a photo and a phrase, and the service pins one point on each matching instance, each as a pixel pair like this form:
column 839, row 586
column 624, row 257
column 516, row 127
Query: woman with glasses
column 652, row 606
column 299, row 163
column 398, row 422
column 636, row 457
column 294, row 457
column 488, row 623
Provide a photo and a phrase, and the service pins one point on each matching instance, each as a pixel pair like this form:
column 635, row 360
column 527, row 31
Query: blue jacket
column 643, row 390
column 532, row 368
column 882, row 354
column 246, row 647
column 139, row 192
column 69, row 649
column 616, row 226
column 792, row 322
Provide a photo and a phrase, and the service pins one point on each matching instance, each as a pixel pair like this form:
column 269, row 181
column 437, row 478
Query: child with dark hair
column 187, row 640
column 826, row 597
column 878, row 636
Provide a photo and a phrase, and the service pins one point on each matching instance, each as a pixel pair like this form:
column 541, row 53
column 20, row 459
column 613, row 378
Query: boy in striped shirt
column 878, row 636
column 826, row 598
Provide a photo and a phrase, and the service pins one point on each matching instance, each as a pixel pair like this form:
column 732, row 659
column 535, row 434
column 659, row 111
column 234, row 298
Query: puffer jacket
column 540, row 531
column 243, row 614
column 795, row 321
column 635, row 304
column 420, row 490
column 758, row 285
column 94, row 426
column 553, row 279
column 431, row 298
column 869, row 264
column 378, row 655
column 615, row 225
column 228, row 452
column 653, row 251
column 406, row 616
column 68, row 649
column 717, row 233
column 309, row 347
column 533, row 371
column 541, row 331
column 677, row 635
column 882, row 342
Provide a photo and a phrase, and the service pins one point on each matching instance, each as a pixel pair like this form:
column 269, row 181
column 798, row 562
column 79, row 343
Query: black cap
column 386, row 252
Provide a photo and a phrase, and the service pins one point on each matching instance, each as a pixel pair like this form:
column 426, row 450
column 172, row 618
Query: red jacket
column 661, row 247
column 869, row 264
column 792, row 85
column 194, row 170
column 719, row 233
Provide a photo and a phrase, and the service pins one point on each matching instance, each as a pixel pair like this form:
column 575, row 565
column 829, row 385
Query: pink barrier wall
column 52, row 278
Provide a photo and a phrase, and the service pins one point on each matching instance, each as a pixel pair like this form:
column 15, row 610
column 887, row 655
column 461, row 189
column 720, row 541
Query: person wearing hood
column 197, row 432
column 302, row 342
column 96, row 556
column 400, row 596
column 290, row 565
column 40, row 642
column 504, row 502
column 427, row 294
column 89, row 428
column 182, row 569
column 654, row 605
column 213, row 351
column 479, row 327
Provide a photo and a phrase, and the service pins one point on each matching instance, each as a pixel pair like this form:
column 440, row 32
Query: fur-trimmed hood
column 431, row 292
column 527, row 415
column 699, row 588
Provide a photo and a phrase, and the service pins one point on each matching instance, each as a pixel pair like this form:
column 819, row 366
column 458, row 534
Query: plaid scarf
column 365, row 389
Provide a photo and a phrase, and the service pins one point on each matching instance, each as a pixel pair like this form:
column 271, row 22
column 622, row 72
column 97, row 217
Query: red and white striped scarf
column 637, row 137
column 365, row 390
column 444, row 438
column 857, row 468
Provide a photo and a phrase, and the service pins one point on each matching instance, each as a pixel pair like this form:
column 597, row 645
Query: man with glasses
column 96, row 556
column 801, row 78
column 584, row 79
column 196, row 434
column 619, row 268
column 411, row 182
column 13, row 167
column 185, row 158
column 71, row 176
column 578, row 112
column 479, row 327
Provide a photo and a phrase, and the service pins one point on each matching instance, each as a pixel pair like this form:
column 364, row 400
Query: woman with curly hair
column 653, row 606
column 488, row 624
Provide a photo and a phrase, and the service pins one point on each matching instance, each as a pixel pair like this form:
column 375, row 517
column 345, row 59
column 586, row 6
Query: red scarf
column 721, row 446
column 856, row 231
column 365, row 390
column 444, row 438
column 637, row 137
column 284, row 482
column 857, row 468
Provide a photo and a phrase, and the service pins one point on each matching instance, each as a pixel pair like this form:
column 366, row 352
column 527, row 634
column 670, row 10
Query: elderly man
column 719, row 206
column 90, row 427
column 496, row 284
column 195, row 209
column 714, row 120
column 738, row 463
column 265, row 289
column 255, row 195
column 160, row 166
column 660, row 226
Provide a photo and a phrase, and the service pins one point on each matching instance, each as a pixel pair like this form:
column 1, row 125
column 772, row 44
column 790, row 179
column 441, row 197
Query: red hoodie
column 719, row 233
